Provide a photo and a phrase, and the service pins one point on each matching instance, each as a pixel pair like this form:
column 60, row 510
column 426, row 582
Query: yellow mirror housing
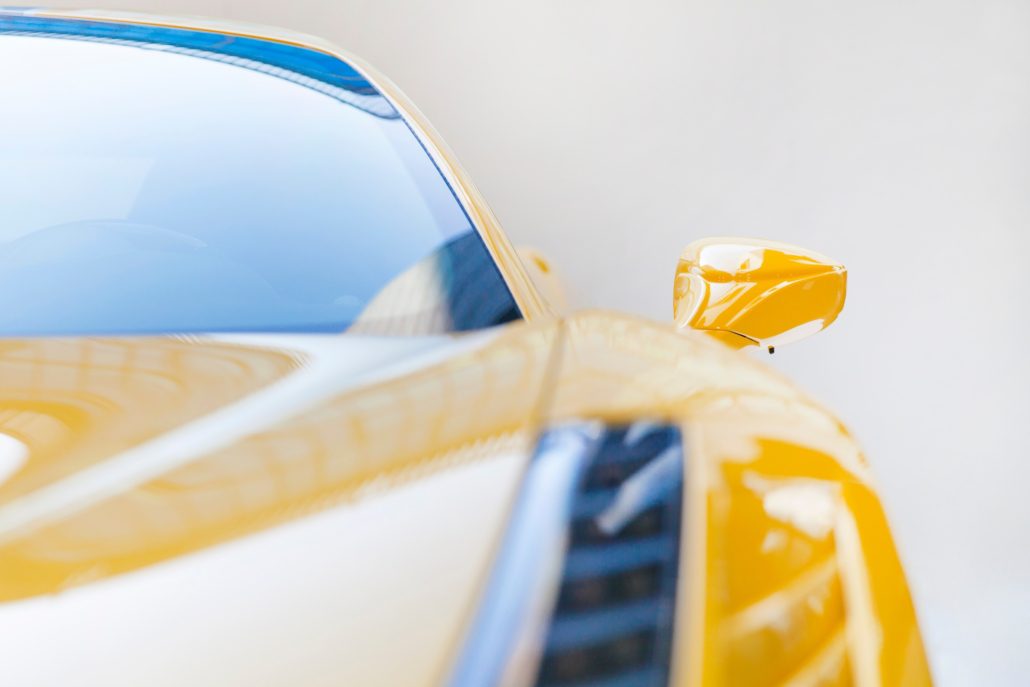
column 754, row 292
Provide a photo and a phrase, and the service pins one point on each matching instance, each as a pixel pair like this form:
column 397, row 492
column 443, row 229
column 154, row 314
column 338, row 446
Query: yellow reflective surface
column 349, row 526
column 324, row 511
column 755, row 292
column 801, row 582
column 73, row 402
column 789, row 568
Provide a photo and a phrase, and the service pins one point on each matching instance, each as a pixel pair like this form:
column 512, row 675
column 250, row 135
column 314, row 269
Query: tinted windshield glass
column 152, row 188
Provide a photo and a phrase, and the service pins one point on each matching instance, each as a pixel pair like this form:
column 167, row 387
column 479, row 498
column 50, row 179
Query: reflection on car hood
column 85, row 403
column 292, row 510
column 124, row 455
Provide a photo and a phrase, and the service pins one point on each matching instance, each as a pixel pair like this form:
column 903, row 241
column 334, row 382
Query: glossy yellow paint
column 829, row 606
column 754, row 292
column 74, row 402
column 331, row 453
column 153, row 464
column 265, row 475
column 766, row 460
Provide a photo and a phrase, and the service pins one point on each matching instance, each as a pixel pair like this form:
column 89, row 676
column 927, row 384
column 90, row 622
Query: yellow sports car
column 281, row 405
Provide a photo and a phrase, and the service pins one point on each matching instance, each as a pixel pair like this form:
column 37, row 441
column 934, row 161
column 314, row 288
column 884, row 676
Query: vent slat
column 612, row 624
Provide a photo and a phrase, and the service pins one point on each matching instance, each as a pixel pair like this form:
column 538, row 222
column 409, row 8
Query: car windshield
column 161, row 185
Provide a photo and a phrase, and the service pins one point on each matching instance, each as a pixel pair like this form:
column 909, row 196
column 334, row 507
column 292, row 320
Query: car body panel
column 321, row 510
column 336, row 502
column 343, row 450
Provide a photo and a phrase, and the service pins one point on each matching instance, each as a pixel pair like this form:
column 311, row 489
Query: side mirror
column 752, row 292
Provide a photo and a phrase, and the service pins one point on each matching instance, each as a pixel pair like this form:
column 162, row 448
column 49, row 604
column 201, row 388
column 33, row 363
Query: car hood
column 291, row 509
column 246, row 509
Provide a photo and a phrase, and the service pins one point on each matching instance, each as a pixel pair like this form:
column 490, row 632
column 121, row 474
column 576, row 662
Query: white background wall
column 893, row 135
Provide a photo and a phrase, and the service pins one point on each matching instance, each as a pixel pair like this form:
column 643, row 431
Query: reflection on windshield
column 453, row 289
column 201, row 185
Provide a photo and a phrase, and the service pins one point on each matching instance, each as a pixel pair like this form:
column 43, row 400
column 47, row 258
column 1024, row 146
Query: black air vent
column 612, row 624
